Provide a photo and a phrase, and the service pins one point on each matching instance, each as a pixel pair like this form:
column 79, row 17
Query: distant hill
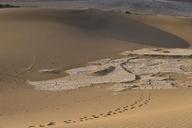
column 182, row 0
column 164, row 7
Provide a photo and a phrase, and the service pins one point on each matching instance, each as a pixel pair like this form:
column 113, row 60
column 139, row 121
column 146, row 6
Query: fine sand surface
column 37, row 39
column 98, row 107
column 179, row 26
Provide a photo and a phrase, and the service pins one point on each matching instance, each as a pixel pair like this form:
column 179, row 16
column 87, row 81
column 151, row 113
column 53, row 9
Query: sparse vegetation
column 127, row 12
column 8, row 6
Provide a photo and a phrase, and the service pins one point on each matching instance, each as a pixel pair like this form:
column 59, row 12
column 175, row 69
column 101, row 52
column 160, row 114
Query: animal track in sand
column 141, row 102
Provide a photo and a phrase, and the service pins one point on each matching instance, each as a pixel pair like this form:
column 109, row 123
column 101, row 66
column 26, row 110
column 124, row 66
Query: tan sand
column 38, row 39
column 179, row 26
column 170, row 108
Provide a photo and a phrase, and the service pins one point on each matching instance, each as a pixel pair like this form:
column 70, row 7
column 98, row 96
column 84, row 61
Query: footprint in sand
column 41, row 125
column 83, row 119
column 106, row 115
column 32, row 126
column 66, row 122
column 140, row 105
column 95, row 116
column 146, row 102
column 133, row 107
column 109, row 113
column 134, row 103
column 51, row 123
column 90, row 118
column 125, row 107
column 149, row 98
column 118, row 109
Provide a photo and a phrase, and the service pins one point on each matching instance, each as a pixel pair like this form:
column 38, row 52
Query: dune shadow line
column 110, row 25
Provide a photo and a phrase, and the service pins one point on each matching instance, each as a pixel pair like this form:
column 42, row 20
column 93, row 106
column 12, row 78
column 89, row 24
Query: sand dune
column 103, row 24
column 34, row 40
column 54, row 37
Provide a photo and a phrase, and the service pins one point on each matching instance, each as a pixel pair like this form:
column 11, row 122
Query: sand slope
column 179, row 26
column 164, row 108
column 35, row 39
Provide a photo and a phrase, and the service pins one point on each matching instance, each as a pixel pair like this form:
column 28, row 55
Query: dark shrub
column 127, row 12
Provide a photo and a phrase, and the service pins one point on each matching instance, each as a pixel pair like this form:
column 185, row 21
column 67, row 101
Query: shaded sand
column 38, row 39
column 179, row 26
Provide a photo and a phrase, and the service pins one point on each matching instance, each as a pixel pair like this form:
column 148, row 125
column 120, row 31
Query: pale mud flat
column 28, row 48
column 148, row 68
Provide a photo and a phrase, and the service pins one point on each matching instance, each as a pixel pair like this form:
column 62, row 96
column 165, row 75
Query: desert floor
column 35, row 39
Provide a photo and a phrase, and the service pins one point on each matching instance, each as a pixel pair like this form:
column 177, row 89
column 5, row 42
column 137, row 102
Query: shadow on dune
column 106, row 24
column 119, row 27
